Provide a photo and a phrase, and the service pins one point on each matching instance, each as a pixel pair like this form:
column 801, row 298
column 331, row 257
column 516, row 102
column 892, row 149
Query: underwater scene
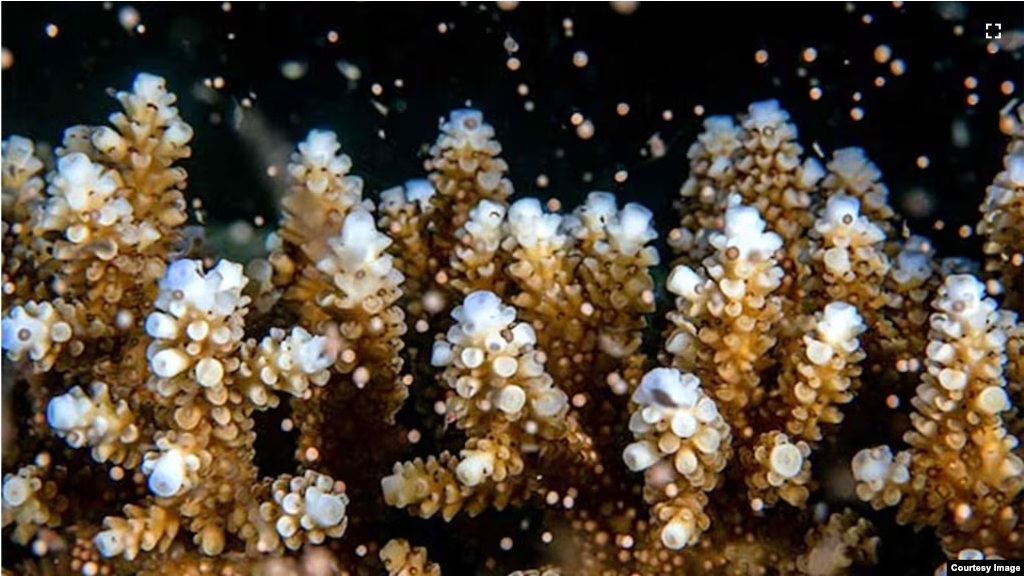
column 512, row 288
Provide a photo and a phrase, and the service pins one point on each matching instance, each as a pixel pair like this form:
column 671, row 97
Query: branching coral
column 150, row 374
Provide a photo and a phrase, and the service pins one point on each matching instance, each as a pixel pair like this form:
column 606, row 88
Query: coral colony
column 522, row 336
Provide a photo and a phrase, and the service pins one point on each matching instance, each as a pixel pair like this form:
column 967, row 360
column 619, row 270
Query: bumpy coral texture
column 158, row 382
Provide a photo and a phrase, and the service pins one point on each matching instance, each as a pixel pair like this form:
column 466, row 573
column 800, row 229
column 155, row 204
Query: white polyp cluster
column 770, row 124
column 81, row 419
column 962, row 301
column 914, row 261
column 844, row 228
column 149, row 90
column 533, row 228
column 484, row 224
column 85, row 186
column 855, row 171
column 358, row 263
column 466, row 128
column 482, row 314
column 684, row 281
column 1015, row 169
column 320, row 150
column 785, row 462
column 475, row 467
column 811, row 172
column 876, row 469
column 420, row 191
column 186, row 289
column 309, row 508
column 745, row 231
column 766, row 114
column 720, row 138
column 838, row 327
column 593, row 215
column 33, row 329
column 631, row 228
column 289, row 362
column 674, row 416
column 171, row 472
column 19, row 156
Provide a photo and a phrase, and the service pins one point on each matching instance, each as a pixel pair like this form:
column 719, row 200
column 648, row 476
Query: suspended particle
column 815, row 93
column 973, row 99
column 51, row 30
column 857, row 113
column 507, row 5
column 897, row 67
column 376, row 89
column 621, row 176
column 587, row 177
column 128, row 17
column 1006, row 87
column 698, row 110
column 923, row 162
column 960, row 133
column 522, row 89
column 332, row 36
column 414, row 436
column 761, row 56
column 857, row 96
column 510, row 44
column 567, row 24
column 897, row 5
column 882, row 53
column 965, row 231
column 867, row 18
column 506, row 543
column 622, row 108
column 580, row 59
column 7, row 59
column 810, row 55
column 258, row 221
column 547, row 537
column 576, row 119
column 529, row 105
column 293, row 69
column 140, row 29
column 513, row 63
column 879, row 82
column 543, row 181
column 350, row 71
column 231, row 36
column 624, row 8
column 666, row 115
column 553, row 204
column 219, row 83
column 585, row 131
column 442, row 27
column 399, row 83
column 656, row 146
column 992, row 47
column 225, row 6
column 970, row 82
column 958, row 30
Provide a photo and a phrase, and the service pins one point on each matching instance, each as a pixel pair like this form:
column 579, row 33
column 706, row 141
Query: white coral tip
column 786, row 460
column 640, row 456
column 676, row 535
column 67, row 411
column 109, row 543
column 166, row 473
column 684, row 281
column 325, row 510
column 475, row 467
column 169, row 362
column 667, row 387
column 16, row 491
